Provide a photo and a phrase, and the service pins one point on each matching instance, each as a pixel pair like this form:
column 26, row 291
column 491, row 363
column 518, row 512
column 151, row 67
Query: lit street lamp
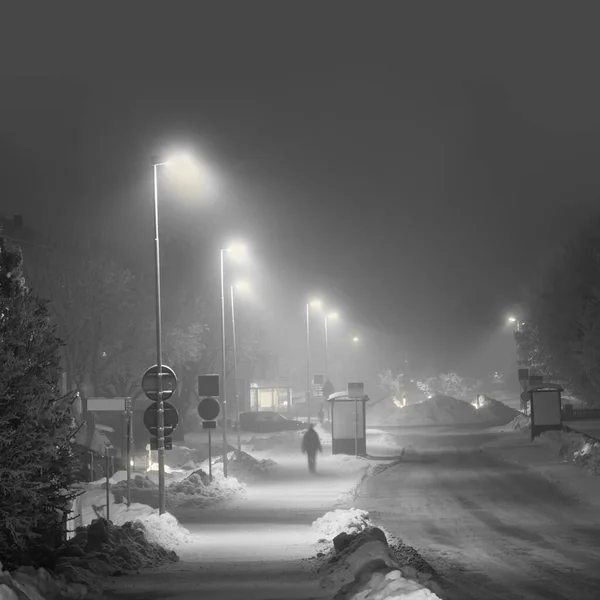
column 315, row 304
column 237, row 251
column 160, row 413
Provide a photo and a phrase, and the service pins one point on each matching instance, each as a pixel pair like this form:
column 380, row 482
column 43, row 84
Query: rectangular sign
column 356, row 390
column 318, row 379
column 106, row 404
column 209, row 424
column 524, row 375
column 208, row 386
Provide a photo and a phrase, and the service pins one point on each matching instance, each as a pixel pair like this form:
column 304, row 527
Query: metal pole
column 224, row 366
column 160, row 416
column 129, row 419
column 235, row 376
column 356, row 427
column 210, row 455
column 308, row 362
column 106, row 467
column 326, row 349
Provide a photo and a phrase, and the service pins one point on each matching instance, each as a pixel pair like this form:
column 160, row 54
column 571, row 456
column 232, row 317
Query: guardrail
column 579, row 414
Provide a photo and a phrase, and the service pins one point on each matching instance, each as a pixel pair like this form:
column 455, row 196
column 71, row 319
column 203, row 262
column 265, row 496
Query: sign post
column 129, row 443
column 209, row 410
column 159, row 384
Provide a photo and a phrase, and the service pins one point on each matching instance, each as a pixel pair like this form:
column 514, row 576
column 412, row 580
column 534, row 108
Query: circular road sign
column 209, row 409
column 525, row 396
column 171, row 418
column 150, row 382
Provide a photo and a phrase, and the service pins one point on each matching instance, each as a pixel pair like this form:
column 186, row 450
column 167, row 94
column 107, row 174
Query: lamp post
column 240, row 249
column 160, row 413
column 314, row 303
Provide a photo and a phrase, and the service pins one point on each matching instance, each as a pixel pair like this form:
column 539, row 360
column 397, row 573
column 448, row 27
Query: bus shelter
column 348, row 424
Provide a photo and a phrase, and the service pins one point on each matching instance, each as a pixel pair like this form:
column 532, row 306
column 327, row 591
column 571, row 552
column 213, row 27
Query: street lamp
column 242, row 285
column 236, row 251
column 356, row 339
column 315, row 303
column 160, row 413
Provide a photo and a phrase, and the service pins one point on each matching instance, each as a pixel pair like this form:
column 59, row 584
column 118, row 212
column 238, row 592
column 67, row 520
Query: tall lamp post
column 315, row 304
column 160, row 413
column 235, row 249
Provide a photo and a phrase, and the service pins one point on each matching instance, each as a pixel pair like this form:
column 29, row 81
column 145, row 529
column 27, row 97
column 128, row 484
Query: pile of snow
column 197, row 489
column 493, row 411
column 520, row 423
column 281, row 441
column 104, row 549
column 183, row 457
column 245, row 467
column 578, row 448
column 350, row 521
column 364, row 567
column 29, row 583
column 163, row 530
column 439, row 410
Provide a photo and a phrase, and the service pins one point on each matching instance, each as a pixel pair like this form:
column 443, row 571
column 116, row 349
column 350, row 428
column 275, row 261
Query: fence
column 579, row 414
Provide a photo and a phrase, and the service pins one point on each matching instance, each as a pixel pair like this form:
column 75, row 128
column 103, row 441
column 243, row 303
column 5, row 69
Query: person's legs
column 311, row 461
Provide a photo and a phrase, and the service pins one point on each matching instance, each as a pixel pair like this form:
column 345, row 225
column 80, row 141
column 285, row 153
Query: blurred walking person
column 311, row 444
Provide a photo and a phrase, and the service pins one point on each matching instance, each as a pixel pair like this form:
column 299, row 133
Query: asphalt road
column 493, row 530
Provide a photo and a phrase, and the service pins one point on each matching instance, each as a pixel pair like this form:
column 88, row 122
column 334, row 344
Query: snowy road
column 492, row 529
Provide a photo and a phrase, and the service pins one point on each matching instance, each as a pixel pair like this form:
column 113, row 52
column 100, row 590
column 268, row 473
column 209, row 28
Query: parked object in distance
column 268, row 421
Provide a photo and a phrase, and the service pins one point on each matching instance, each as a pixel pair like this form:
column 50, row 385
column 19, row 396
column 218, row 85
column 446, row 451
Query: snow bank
column 364, row 567
column 163, row 530
column 197, row 490
column 28, row 583
column 246, row 468
column 496, row 412
column 520, row 423
column 350, row 521
column 439, row 410
column 578, row 448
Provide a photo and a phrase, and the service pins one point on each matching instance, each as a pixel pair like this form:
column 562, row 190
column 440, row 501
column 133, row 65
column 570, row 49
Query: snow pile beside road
column 163, row 530
column 439, row 410
column 496, row 412
column 197, row 489
column 28, row 583
column 578, row 448
column 247, row 468
column 338, row 521
column 520, row 423
column 364, row 567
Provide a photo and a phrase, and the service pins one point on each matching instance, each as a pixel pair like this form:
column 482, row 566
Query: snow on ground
column 578, row 448
column 338, row 521
column 494, row 411
column 520, row 423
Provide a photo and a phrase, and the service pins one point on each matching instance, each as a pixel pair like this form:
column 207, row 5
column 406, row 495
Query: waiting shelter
column 546, row 409
column 348, row 424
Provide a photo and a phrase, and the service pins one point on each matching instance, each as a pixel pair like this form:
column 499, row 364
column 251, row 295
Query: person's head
column 311, row 426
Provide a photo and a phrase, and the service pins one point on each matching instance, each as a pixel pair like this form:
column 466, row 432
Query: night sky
column 421, row 158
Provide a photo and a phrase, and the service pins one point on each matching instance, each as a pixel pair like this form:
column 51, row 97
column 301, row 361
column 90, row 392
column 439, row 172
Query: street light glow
column 243, row 285
column 315, row 303
column 512, row 320
column 333, row 316
column 237, row 251
column 355, row 339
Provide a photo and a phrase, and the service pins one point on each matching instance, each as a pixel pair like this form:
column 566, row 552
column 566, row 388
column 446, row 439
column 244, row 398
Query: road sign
column 525, row 397
column 150, row 382
column 208, row 386
column 524, row 375
column 356, row 390
column 154, row 443
column 106, row 404
column 171, row 418
column 209, row 409
column 209, row 424
column 318, row 379
column 533, row 379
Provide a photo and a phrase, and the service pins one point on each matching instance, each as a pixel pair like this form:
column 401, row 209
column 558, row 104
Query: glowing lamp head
column 356, row 339
column 333, row 316
column 315, row 303
column 512, row 320
column 237, row 251
column 242, row 286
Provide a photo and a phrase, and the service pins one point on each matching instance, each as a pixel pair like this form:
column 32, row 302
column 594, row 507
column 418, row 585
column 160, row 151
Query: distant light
column 243, row 285
column 334, row 316
column 237, row 251
column 512, row 320
column 356, row 339
column 316, row 303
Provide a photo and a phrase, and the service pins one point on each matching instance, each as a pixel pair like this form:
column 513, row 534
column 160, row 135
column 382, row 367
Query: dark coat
column 311, row 442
